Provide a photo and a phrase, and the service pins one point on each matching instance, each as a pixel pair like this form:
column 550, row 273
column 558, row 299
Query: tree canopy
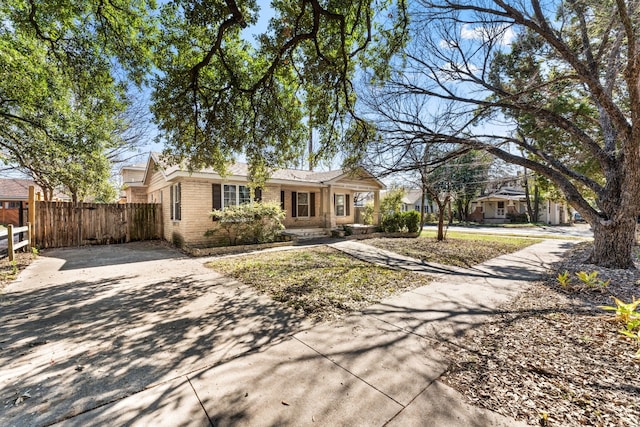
column 218, row 94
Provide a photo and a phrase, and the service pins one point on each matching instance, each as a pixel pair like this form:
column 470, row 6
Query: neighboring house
column 310, row 199
column 411, row 201
column 499, row 207
column 14, row 197
column 133, row 190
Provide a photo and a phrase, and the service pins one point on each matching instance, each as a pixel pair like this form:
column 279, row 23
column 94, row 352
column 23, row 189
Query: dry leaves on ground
column 465, row 252
column 9, row 270
column 321, row 282
column 553, row 357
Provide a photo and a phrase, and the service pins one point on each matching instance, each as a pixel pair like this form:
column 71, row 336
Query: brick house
column 311, row 200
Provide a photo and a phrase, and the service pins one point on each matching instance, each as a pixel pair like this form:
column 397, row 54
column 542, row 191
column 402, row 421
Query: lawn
column 459, row 249
column 322, row 282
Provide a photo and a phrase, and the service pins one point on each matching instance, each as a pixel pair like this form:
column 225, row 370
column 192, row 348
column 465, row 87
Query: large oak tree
column 558, row 81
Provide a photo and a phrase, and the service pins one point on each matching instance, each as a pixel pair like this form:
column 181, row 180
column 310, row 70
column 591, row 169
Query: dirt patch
column 9, row 270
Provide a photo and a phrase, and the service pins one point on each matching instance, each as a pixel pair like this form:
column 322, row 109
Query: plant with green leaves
column 564, row 279
column 591, row 280
column 629, row 316
column 248, row 223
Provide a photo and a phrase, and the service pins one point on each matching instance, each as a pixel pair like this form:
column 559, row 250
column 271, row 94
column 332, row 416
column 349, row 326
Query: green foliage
column 411, row 220
column 348, row 231
column 564, row 279
column 177, row 239
column 590, row 280
column 392, row 220
column 218, row 94
column 391, row 202
column 61, row 101
column 392, row 223
column 629, row 317
column 367, row 213
column 248, row 223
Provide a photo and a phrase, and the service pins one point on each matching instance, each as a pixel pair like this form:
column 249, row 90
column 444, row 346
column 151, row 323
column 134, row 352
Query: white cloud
column 504, row 33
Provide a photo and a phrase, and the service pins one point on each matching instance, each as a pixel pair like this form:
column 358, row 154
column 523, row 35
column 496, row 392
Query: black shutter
column 257, row 195
column 171, row 200
column 216, row 194
column 294, row 204
column 347, row 208
column 282, row 200
column 312, row 204
column 179, row 202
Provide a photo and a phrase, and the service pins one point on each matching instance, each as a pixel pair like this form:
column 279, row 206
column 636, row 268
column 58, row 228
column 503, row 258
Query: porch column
column 332, row 208
column 376, row 207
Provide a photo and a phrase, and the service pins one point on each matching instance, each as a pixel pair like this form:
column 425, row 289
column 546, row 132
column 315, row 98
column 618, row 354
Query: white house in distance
column 501, row 206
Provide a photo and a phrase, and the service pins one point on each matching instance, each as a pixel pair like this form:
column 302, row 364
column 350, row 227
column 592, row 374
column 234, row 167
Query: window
column 244, row 195
column 232, row 195
column 340, row 204
column 175, row 208
column 303, row 204
column 500, row 209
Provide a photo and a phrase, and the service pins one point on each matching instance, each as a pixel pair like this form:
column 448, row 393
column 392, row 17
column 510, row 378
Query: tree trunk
column 527, row 196
column 424, row 198
column 536, row 203
column 440, row 236
column 613, row 243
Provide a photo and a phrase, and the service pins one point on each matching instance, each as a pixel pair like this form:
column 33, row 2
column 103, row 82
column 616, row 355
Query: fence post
column 30, row 244
column 10, row 242
column 32, row 213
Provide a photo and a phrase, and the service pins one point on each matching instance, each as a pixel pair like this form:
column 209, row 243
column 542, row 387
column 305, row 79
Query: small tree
column 391, row 210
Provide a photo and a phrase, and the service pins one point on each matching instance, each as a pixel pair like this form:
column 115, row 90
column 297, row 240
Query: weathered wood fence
column 62, row 224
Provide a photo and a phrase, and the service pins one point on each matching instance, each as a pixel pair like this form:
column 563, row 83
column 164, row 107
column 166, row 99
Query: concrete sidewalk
column 379, row 367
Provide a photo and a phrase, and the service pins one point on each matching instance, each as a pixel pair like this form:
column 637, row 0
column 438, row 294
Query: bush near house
column 248, row 223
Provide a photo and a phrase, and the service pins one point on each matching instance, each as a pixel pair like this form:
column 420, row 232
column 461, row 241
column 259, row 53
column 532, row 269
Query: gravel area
column 553, row 357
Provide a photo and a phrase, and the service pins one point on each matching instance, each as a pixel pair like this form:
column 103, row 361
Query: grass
column 321, row 282
column 459, row 249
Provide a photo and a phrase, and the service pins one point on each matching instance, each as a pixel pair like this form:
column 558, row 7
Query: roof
column 18, row 189
column 504, row 194
column 240, row 170
column 412, row 197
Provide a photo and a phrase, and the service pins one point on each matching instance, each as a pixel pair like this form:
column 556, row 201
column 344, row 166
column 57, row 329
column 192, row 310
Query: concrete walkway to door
column 139, row 334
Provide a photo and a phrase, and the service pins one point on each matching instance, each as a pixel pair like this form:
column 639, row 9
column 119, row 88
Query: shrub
column 367, row 214
column 177, row 240
column 393, row 223
column 248, row 223
column 411, row 220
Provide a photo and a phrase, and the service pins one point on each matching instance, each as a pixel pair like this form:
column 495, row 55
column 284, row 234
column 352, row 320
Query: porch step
column 304, row 233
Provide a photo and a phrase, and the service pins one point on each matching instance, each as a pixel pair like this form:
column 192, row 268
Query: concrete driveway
column 83, row 327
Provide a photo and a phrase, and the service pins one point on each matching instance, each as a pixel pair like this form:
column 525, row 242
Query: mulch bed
column 553, row 357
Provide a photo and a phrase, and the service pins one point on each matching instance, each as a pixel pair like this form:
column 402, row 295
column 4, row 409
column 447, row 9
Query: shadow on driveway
column 135, row 315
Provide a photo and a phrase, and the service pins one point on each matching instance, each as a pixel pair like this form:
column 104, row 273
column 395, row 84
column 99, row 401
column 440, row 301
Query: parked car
column 577, row 218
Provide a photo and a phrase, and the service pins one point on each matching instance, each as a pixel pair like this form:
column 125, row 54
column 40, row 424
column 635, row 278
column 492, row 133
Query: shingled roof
column 18, row 189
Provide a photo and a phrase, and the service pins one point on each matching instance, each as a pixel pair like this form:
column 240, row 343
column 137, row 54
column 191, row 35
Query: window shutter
column 216, row 194
column 294, row 204
column 171, row 201
column 179, row 202
column 312, row 204
column 282, row 200
column 257, row 195
column 347, row 205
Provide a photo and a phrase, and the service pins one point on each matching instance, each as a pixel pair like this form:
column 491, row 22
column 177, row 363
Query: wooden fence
column 16, row 238
column 62, row 224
